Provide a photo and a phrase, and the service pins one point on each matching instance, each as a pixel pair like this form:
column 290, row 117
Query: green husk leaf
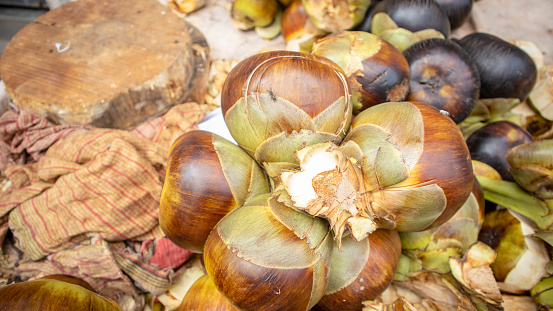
column 469, row 129
column 348, row 49
column 419, row 204
column 401, row 304
column 328, row 122
column 303, row 43
column 438, row 260
column 234, row 162
column 429, row 34
column 383, row 163
column 489, row 110
column 382, row 22
column 303, row 225
column 273, row 170
column 535, row 179
column 281, row 147
column 272, row 30
column 415, row 240
column 407, row 135
column 262, row 242
column 352, row 150
column 260, row 183
column 480, row 112
column 482, row 169
column 532, row 167
column 434, row 247
column 401, row 38
column 347, row 262
column 336, row 15
column 543, row 292
column 408, row 264
column 541, row 96
column 512, row 196
column 456, row 233
column 462, row 230
column 499, row 106
column 259, row 118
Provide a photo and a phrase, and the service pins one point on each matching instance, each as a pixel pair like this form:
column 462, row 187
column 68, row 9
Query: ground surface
column 510, row 19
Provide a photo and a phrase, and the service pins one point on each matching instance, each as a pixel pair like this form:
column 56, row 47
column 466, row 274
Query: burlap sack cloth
column 84, row 201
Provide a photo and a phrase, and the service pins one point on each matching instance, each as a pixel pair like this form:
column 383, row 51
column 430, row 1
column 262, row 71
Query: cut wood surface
column 101, row 62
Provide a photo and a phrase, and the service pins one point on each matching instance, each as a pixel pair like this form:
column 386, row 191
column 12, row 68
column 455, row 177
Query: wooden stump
column 105, row 63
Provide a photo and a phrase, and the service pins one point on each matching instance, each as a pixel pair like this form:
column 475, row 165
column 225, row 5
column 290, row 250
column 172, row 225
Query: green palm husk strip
column 512, row 196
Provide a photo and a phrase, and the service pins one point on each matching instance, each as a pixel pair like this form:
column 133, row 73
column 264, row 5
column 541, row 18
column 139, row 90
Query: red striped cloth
column 89, row 207
column 25, row 136
column 119, row 270
column 91, row 260
column 106, row 184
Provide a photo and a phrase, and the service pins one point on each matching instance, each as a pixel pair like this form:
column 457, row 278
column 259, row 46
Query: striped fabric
column 106, row 184
column 88, row 206
column 116, row 270
column 25, row 136
column 91, row 260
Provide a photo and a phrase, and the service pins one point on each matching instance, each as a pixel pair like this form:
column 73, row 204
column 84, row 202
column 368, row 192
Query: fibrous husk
column 401, row 304
column 541, row 96
column 330, row 185
column 542, row 293
column 532, row 167
column 434, row 247
column 368, row 182
column 489, row 110
column 474, row 273
column 383, row 26
column 428, row 291
column 510, row 195
column 530, row 266
column 519, row 302
column 336, row 15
